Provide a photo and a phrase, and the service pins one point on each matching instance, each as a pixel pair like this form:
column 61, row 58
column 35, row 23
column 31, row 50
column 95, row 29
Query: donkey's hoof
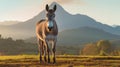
column 54, row 62
column 45, row 59
column 41, row 61
column 48, row 61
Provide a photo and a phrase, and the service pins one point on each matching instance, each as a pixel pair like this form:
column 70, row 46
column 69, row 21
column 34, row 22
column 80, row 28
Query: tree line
column 8, row 46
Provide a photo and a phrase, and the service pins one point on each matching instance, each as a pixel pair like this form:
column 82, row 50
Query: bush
column 102, row 48
column 90, row 49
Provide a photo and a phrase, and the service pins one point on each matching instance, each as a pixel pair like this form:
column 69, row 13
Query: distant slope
column 85, row 35
column 81, row 36
column 64, row 20
column 9, row 22
column 116, row 43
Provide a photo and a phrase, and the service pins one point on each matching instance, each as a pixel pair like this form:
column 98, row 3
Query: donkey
column 46, row 32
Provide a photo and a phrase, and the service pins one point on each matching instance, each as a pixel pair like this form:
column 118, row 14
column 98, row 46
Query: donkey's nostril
column 50, row 28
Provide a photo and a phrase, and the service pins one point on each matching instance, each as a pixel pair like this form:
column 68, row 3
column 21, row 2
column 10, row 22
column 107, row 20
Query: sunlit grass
column 62, row 60
column 15, row 57
column 59, row 57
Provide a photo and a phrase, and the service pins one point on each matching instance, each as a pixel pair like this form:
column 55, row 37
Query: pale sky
column 105, row 11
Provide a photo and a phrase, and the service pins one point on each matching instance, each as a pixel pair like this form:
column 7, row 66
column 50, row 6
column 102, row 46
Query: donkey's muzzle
column 50, row 28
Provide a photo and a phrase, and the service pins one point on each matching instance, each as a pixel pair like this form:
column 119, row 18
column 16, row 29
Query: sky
column 104, row 11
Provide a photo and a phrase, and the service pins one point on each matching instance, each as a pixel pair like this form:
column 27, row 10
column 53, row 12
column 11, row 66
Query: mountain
column 81, row 36
column 64, row 20
column 9, row 22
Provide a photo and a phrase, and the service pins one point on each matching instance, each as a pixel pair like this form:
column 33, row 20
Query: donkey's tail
column 39, row 37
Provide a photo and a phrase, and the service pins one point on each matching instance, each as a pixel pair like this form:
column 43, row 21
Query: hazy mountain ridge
column 6, row 23
column 81, row 36
column 64, row 20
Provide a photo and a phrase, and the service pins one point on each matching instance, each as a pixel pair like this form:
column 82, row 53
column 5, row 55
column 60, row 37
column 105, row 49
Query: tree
column 104, row 45
column 80, row 52
column 9, row 38
column 20, row 41
column 0, row 36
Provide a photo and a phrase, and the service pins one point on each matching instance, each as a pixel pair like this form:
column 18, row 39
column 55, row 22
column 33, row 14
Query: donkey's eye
column 53, row 15
column 47, row 15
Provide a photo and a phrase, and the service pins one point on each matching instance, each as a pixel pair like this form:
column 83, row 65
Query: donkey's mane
column 40, row 21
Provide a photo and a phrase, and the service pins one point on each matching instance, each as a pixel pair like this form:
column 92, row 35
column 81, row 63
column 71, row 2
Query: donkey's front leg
column 48, row 51
column 53, row 51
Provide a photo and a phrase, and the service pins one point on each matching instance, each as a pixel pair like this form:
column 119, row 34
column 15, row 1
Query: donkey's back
column 40, row 29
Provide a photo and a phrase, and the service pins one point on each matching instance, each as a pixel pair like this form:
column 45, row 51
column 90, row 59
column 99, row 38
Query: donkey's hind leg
column 45, row 50
column 40, row 50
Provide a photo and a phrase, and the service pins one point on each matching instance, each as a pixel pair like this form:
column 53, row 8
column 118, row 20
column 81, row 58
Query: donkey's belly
column 51, row 37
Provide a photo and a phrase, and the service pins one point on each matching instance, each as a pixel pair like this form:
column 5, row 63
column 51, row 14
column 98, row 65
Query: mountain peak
column 54, row 3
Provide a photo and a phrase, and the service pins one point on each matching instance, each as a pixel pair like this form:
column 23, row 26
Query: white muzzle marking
column 50, row 23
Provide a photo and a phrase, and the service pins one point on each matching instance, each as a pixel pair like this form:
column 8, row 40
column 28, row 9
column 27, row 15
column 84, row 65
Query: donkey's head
column 50, row 16
column 50, row 12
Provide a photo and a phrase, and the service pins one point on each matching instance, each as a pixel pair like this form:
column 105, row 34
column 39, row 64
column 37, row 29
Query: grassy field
column 62, row 61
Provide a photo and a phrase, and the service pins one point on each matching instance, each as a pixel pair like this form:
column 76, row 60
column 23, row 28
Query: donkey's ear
column 47, row 7
column 55, row 7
